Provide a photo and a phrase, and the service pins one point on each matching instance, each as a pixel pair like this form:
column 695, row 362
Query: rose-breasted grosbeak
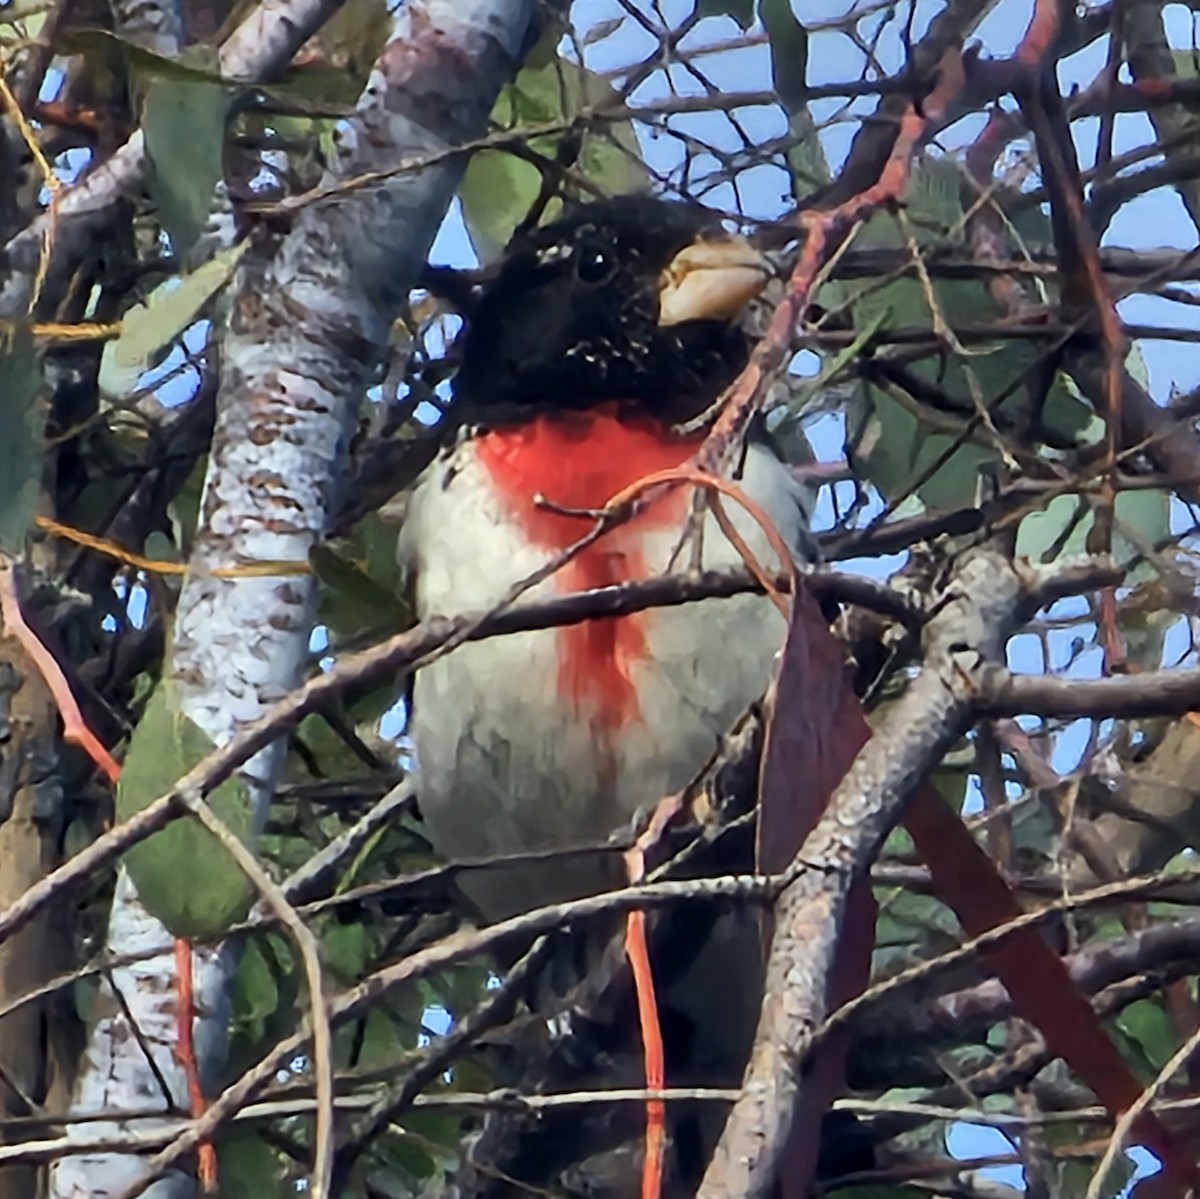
column 599, row 334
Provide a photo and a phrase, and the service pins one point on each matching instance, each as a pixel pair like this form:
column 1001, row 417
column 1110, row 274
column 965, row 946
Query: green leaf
column 249, row 1167
column 27, row 24
column 1075, row 1175
column 22, row 417
column 544, row 52
column 1036, row 837
column 742, row 11
column 346, row 949
column 148, row 330
column 184, row 125
column 1186, row 62
column 909, row 926
column 404, row 1156
column 161, row 548
column 464, row 987
column 434, row 1129
column 352, row 603
column 256, row 990
column 897, row 441
column 384, row 1038
column 498, row 188
column 327, row 747
column 806, row 155
column 789, row 51
column 358, row 580
column 184, row 507
column 1149, row 1027
column 1141, row 519
column 183, row 874
column 267, row 999
column 892, row 448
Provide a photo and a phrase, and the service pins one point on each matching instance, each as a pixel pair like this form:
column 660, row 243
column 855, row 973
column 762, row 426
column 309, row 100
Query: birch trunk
column 307, row 325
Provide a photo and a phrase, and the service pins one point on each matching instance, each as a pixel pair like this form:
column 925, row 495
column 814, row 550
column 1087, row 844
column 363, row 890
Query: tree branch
column 974, row 612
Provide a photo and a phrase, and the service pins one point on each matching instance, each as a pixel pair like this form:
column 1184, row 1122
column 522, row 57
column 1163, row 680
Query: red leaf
column 816, row 729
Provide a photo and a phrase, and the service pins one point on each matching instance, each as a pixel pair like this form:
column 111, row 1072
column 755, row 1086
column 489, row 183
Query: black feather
column 571, row 319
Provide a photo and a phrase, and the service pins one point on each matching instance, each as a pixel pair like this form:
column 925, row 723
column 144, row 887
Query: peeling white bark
column 115, row 1074
column 307, row 327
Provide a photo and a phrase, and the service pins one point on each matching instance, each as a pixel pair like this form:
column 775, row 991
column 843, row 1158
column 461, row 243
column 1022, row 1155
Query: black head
column 594, row 308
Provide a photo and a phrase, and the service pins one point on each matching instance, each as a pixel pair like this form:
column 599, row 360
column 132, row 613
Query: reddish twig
column 652, row 1042
column 1040, row 35
column 1084, row 285
column 825, row 230
column 185, row 1055
column 75, row 728
column 701, row 478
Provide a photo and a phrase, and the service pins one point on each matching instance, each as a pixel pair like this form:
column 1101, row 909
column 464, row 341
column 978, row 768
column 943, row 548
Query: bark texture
column 30, row 814
column 309, row 320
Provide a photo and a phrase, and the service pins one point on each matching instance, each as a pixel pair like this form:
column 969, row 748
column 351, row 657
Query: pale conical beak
column 711, row 281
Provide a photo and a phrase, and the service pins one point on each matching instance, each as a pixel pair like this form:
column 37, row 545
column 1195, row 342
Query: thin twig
column 306, row 944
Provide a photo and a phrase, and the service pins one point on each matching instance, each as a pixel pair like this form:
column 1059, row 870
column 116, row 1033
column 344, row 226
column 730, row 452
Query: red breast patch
column 580, row 460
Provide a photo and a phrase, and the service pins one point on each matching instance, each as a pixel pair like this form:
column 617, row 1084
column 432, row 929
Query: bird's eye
column 595, row 264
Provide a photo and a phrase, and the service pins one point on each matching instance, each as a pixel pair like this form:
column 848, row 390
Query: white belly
column 506, row 762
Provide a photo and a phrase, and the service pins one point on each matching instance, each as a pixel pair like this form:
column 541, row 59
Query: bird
column 587, row 358
column 599, row 339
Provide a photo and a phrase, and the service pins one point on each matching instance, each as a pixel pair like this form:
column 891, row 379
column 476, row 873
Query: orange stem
column 185, row 1054
column 75, row 728
column 652, row 1048
column 702, row 478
